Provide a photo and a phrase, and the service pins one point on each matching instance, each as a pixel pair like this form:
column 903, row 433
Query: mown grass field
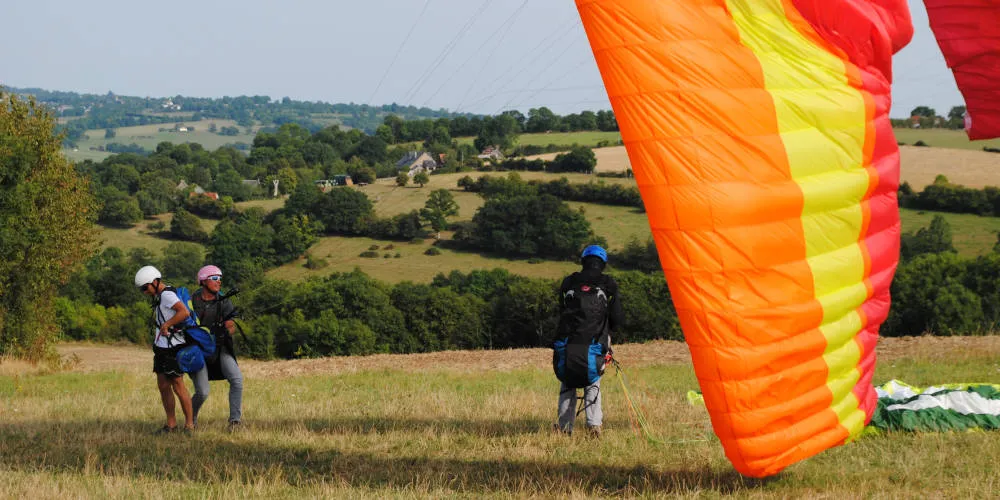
column 148, row 136
column 942, row 138
column 455, row 424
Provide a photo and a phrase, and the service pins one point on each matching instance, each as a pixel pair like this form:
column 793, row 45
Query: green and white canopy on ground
column 946, row 407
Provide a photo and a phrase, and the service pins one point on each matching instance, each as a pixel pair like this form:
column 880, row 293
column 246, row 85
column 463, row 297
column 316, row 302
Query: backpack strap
column 158, row 318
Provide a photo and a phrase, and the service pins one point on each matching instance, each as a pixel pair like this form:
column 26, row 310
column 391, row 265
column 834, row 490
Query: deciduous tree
column 46, row 226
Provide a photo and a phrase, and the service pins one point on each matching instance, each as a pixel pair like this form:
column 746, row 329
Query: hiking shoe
column 166, row 429
column 234, row 426
column 594, row 431
column 559, row 430
column 188, row 431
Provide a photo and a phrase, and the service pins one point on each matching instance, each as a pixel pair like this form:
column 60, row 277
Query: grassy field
column 148, row 136
column 141, row 236
column 457, row 424
column 942, row 138
column 343, row 255
column 972, row 235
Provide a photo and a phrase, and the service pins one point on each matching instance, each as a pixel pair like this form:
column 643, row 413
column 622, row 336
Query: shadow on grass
column 126, row 448
column 370, row 425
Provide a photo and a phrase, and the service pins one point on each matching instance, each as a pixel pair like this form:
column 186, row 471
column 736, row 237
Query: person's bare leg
column 167, row 396
column 182, row 393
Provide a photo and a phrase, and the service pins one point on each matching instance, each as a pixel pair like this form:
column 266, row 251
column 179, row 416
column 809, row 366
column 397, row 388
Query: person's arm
column 227, row 311
column 562, row 293
column 181, row 314
column 616, row 316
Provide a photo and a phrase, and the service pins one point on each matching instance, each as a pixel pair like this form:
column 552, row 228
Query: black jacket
column 569, row 325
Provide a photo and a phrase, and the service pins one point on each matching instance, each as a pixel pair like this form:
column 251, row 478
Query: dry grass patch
column 919, row 166
column 610, row 159
column 100, row 357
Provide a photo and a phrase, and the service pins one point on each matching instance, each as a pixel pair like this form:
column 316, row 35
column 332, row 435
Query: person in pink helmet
column 217, row 312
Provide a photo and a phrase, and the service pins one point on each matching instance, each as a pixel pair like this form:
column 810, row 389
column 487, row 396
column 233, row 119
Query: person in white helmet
column 216, row 311
column 169, row 338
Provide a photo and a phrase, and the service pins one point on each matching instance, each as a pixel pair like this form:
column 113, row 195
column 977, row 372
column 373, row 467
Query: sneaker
column 166, row 429
column 188, row 431
column 234, row 426
column 594, row 431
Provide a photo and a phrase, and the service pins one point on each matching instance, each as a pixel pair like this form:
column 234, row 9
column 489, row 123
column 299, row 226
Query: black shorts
column 165, row 362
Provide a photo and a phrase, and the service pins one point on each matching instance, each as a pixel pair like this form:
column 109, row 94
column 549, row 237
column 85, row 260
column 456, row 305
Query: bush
column 432, row 251
column 186, row 226
column 369, row 254
column 314, row 263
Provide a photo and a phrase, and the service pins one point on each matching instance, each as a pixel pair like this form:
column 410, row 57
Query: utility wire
column 398, row 50
column 488, row 58
column 551, row 82
column 535, row 55
column 444, row 53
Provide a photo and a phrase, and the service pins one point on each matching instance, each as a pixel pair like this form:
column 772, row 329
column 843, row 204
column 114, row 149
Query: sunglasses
column 214, row 278
column 142, row 288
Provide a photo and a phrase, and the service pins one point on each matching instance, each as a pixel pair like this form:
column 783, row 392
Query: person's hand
column 164, row 330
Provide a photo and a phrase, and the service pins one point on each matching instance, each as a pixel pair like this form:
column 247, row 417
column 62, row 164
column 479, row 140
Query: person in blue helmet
column 590, row 311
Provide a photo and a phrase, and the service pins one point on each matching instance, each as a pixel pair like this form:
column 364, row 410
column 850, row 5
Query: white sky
column 338, row 51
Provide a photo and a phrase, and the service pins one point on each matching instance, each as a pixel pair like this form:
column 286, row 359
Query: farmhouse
column 491, row 153
column 415, row 162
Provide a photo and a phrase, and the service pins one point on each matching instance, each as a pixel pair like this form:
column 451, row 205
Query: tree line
column 943, row 196
column 927, row 117
column 351, row 313
column 406, row 123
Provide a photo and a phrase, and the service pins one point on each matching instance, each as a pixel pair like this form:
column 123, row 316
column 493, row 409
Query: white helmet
column 146, row 275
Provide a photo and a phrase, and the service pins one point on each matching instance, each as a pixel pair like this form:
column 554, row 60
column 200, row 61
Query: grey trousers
column 592, row 404
column 233, row 375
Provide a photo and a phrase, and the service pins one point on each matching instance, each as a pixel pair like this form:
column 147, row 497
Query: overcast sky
column 480, row 56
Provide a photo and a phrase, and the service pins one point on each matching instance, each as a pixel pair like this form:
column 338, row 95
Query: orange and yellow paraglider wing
column 761, row 144
column 968, row 32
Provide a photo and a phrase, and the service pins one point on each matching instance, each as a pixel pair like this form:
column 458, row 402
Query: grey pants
column 592, row 404
column 233, row 375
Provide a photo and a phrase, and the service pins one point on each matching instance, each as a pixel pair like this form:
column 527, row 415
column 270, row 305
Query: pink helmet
column 207, row 271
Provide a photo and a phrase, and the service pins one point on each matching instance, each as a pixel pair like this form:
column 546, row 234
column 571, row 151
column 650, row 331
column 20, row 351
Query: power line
column 444, row 54
column 499, row 43
column 398, row 50
column 551, row 81
column 536, row 55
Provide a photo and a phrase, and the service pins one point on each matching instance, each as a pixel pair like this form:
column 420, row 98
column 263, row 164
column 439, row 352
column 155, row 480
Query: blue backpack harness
column 200, row 343
column 578, row 358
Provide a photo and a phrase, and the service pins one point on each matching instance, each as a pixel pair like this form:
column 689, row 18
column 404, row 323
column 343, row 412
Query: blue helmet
column 596, row 251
